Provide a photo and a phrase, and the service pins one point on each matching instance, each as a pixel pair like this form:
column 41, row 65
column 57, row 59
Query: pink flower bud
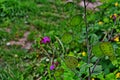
column 45, row 40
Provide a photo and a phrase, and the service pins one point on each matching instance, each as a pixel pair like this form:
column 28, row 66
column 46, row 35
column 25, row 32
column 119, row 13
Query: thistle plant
column 83, row 67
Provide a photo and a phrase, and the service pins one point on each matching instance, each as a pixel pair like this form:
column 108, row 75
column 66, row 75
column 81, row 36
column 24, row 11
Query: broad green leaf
column 106, row 20
column 71, row 54
column 107, row 48
column 71, row 62
column 69, row 6
column 93, row 59
column 97, row 51
column 66, row 38
column 110, row 76
column 98, row 69
column 76, row 20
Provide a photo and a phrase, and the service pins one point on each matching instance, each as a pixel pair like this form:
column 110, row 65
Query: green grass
column 54, row 19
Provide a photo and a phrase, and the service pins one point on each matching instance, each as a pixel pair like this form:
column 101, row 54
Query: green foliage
column 66, row 38
column 63, row 22
column 31, row 36
column 107, row 48
column 97, row 51
column 3, row 34
column 76, row 20
column 71, row 62
column 11, row 9
column 69, row 6
column 110, row 76
column 58, row 73
column 104, row 48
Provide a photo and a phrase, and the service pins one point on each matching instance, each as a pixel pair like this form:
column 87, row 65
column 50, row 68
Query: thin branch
column 95, row 65
column 45, row 52
column 42, row 75
column 87, row 41
column 110, row 36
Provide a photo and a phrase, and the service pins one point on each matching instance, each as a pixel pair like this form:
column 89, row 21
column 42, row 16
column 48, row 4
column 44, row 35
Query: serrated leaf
column 76, row 20
column 97, row 51
column 107, row 48
column 66, row 38
column 71, row 62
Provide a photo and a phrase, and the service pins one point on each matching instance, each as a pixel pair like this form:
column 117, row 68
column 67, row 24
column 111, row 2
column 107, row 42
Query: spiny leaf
column 71, row 62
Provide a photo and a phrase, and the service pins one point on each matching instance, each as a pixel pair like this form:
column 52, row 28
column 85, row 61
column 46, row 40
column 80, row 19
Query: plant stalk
column 87, row 39
column 95, row 65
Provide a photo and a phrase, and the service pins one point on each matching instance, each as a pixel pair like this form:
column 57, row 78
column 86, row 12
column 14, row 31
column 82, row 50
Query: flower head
column 118, row 75
column 83, row 53
column 113, row 17
column 78, row 65
column 116, row 4
column 55, row 63
column 93, row 78
column 52, row 67
column 45, row 40
column 100, row 22
column 116, row 39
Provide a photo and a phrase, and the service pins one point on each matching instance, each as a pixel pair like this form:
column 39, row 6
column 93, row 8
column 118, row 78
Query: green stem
column 45, row 52
column 61, row 45
column 111, row 33
column 49, row 71
column 105, row 36
column 95, row 65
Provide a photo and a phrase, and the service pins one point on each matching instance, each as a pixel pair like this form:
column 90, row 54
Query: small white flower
column 16, row 55
column 8, row 44
column 47, row 60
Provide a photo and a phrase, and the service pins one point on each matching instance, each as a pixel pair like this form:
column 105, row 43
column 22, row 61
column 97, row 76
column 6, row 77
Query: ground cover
column 46, row 40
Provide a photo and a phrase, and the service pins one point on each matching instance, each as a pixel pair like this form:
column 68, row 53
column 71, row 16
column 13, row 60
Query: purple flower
column 114, row 16
column 45, row 40
column 52, row 67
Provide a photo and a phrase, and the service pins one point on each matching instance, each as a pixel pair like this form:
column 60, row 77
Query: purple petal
column 45, row 40
column 52, row 67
